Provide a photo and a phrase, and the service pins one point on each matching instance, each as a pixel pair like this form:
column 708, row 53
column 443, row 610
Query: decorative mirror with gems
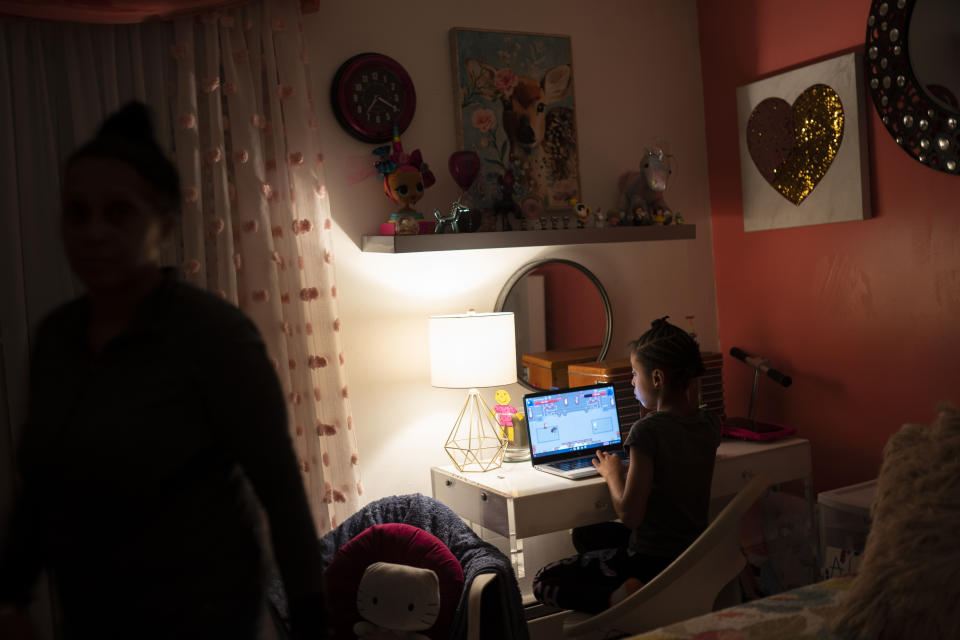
column 913, row 70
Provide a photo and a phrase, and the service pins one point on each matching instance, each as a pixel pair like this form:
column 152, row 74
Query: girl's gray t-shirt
column 683, row 451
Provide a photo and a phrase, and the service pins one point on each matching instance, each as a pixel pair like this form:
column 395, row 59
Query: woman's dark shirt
column 138, row 464
column 683, row 451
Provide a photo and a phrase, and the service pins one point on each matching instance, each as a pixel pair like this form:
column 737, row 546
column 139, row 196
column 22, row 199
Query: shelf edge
column 511, row 239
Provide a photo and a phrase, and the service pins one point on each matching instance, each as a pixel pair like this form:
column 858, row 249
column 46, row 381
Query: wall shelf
column 504, row 239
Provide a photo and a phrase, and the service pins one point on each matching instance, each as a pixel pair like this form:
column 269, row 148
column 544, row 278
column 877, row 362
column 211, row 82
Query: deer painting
column 518, row 115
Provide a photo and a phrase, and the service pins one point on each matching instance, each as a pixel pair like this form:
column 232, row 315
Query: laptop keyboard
column 580, row 463
column 576, row 463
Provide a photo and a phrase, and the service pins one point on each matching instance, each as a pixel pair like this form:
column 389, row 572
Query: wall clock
column 370, row 94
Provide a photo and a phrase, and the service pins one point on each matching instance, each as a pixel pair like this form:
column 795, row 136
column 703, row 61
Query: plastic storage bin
column 844, row 517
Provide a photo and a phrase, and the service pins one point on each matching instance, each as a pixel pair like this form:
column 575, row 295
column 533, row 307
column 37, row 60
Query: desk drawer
column 472, row 503
column 576, row 506
column 780, row 465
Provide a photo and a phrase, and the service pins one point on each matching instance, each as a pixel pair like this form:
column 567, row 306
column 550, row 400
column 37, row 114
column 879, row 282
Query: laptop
column 566, row 428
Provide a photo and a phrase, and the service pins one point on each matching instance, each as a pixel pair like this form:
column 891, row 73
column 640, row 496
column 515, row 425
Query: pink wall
column 574, row 309
column 864, row 315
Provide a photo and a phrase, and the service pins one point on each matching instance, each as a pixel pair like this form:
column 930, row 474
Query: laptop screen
column 570, row 420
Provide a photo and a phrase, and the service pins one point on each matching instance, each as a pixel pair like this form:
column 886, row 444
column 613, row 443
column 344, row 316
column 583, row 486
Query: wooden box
column 548, row 369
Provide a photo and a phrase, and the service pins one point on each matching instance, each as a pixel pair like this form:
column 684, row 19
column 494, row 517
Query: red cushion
column 400, row 544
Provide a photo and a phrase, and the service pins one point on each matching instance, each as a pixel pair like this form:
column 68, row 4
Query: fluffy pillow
column 398, row 544
column 908, row 585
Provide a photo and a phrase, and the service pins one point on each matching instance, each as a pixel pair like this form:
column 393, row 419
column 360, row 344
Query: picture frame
column 803, row 146
column 514, row 104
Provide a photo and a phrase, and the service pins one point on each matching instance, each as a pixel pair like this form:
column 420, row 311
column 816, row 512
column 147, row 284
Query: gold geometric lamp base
column 474, row 443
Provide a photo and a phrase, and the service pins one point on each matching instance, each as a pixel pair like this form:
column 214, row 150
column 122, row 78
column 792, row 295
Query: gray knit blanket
column 503, row 617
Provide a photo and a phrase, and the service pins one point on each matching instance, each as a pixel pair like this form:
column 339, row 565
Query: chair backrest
column 689, row 585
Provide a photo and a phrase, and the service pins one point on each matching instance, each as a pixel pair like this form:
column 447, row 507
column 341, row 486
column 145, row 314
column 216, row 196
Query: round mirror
column 935, row 50
column 562, row 316
column 911, row 67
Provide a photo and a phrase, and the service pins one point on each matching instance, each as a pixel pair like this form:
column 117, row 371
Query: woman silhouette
column 157, row 430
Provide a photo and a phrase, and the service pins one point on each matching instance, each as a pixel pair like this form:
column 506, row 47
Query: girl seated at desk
column 662, row 498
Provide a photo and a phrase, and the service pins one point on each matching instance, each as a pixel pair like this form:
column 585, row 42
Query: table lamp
column 467, row 351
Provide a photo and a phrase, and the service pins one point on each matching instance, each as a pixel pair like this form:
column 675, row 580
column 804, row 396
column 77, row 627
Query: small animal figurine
column 644, row 188
column 600, row 219
column 450, row 221
column 656, row 173
column 397, row 601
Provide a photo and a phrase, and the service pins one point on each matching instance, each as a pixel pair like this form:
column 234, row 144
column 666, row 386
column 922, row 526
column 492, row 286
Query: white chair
column 685, row 589
column 473, row 604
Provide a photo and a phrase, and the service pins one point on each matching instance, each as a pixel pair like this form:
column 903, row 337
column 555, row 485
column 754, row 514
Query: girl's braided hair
column 670, row 348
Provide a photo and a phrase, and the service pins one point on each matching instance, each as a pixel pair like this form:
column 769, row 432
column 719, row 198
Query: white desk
column 518, row 502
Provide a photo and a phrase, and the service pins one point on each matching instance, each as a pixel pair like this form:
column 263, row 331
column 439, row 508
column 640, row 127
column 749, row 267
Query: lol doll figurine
column 405, row 176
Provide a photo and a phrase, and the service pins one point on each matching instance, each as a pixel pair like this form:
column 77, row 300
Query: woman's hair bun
column 127, row 135
column 132, row 122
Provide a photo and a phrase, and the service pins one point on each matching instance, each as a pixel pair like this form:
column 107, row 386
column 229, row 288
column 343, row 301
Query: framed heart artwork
column 803, row 146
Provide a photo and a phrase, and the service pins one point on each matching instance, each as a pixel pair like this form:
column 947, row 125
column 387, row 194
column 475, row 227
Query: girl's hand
column 607, row 464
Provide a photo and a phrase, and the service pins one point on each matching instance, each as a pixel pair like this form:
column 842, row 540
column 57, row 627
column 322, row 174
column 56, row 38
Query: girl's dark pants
column 586, row 581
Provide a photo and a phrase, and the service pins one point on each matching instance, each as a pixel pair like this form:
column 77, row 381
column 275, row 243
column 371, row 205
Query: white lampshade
column 472, row 350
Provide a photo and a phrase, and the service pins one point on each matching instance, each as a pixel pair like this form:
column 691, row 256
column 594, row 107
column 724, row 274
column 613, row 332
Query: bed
column 798, row 614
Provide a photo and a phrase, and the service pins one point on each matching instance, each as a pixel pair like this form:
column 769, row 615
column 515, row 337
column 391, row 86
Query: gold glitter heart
column 816, row 119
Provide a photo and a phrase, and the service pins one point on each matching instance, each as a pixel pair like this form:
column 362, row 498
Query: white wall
column 636, row 80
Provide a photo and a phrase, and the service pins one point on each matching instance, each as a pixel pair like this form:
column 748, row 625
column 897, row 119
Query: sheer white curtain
column 233, row 107
column 256, row 223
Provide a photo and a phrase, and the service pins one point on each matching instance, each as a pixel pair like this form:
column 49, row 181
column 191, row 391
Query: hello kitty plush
column 396, row 601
